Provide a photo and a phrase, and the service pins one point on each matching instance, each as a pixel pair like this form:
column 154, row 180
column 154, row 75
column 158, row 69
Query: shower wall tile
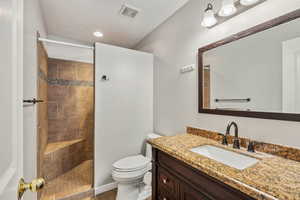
column 70, row 114
column 69, row 70
column 63, row 160
column 58, row 93
column 53, row 110
column 53, row 70
column 42, row 108
column 42, row 58
column 84, row 73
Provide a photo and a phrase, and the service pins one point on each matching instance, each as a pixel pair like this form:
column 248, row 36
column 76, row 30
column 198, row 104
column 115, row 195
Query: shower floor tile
column 75, row 181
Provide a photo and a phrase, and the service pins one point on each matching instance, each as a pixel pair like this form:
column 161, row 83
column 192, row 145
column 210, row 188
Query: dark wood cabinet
column 188, row 193
column 175, row 180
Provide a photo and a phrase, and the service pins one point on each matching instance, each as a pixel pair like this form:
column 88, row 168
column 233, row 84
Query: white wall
column 123, row 106
column 175, row 44
column 63, row 52
column 33, row 22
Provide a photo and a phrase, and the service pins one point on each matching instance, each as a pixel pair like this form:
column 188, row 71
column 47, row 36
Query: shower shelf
column 52, row 147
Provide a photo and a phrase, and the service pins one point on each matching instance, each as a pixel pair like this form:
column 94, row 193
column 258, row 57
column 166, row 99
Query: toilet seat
column 132, row 164
column 131, row 169
column 129, row 176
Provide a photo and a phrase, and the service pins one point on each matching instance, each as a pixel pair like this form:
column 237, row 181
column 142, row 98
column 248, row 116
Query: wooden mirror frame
column 256, row 29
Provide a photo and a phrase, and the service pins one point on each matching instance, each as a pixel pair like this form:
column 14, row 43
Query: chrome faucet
column 236, row 141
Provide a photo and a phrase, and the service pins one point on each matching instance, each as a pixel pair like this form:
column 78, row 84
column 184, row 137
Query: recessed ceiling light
column 98, row 34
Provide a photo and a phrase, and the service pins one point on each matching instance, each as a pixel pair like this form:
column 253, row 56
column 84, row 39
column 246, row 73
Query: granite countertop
column 273, row 177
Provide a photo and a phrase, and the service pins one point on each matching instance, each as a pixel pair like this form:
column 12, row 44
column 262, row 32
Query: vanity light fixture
column 209, row 18
column 228, row 8
column 98, row 34
column 248, row 2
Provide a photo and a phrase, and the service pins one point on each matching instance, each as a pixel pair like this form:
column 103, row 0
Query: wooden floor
column 111, row 195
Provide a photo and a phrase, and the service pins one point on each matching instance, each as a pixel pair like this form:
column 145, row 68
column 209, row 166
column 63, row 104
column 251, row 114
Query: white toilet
column 133, row 175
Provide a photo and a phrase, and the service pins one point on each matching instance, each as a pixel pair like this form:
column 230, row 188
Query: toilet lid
column 132, row 163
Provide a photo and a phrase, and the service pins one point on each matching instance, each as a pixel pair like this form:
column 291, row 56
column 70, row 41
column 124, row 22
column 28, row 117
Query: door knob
column 33, row 186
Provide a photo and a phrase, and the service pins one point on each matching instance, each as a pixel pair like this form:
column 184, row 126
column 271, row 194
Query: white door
column 10, row 97
column 291, row 76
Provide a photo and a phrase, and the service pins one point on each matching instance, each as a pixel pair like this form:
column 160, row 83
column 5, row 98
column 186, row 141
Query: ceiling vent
column 129, row 11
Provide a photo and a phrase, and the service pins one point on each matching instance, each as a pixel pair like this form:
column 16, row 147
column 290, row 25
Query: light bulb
column 248, row 2
column 228, row 8
column 98, row 34
column 209, row 18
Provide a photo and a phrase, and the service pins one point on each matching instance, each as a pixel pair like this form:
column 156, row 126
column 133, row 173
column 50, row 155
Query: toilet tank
column 148, row 146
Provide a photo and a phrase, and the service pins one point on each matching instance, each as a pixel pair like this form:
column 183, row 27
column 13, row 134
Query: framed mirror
column 254, row 73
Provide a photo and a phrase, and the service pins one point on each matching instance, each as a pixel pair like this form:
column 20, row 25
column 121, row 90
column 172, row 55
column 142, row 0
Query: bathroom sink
column 230, row 158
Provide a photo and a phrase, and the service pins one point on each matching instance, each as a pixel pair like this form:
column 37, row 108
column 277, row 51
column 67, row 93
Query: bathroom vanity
column 176, row 180
column 197, row 166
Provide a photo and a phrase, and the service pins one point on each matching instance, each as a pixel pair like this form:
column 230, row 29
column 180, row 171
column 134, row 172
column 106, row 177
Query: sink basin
column 230, row 158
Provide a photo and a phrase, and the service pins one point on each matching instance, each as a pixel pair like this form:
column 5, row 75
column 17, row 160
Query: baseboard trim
column 105, row 188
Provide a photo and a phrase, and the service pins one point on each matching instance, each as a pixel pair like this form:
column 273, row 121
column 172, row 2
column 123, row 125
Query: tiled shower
column 65, row 127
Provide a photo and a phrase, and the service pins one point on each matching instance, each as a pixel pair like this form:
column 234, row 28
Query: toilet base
column 145, row 192
column 137, row 191
column 128, row 191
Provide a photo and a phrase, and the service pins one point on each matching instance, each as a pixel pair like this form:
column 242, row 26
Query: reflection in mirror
column 260, row 72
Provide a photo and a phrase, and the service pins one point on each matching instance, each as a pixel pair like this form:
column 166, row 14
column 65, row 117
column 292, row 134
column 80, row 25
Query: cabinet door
column 188, row 193
column 165, row 195
column 167, row 182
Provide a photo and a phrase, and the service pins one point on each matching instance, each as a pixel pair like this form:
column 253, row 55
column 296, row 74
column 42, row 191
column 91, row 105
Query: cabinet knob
column 164, row 198
column 165, row 181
